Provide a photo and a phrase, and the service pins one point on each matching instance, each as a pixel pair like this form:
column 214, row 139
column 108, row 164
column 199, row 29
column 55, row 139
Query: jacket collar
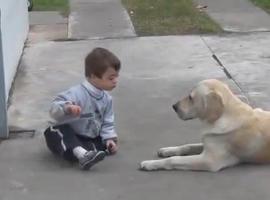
column 92, row 90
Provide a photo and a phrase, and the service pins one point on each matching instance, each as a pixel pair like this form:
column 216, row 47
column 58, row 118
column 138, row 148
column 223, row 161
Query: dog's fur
column 235, row 132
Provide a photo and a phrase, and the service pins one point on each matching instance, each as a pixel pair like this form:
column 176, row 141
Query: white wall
column 14, row 27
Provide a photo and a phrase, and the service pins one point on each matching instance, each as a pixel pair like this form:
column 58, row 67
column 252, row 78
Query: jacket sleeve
column 107, row 128
column 57, row 109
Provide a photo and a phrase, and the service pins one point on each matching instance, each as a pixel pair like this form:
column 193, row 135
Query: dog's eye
column 190, row 97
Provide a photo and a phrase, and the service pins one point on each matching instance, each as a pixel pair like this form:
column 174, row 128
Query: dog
column 234, row 132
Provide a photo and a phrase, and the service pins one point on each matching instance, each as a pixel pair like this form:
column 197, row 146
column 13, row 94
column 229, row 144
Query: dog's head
column 206, row 101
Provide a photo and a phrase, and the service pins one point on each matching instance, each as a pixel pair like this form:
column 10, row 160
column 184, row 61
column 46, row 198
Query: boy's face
column 108, row 81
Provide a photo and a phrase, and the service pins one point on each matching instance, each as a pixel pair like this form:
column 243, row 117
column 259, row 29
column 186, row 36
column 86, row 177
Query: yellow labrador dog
column 235, row 132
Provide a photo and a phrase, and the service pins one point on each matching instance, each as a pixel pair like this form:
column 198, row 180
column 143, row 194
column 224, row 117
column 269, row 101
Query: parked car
column 30, row 4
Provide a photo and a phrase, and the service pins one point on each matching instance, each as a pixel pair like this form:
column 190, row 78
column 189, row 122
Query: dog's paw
column 163, row 153
column 147, row 165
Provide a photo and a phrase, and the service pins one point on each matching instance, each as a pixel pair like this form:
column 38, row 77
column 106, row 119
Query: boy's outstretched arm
column 108, row 133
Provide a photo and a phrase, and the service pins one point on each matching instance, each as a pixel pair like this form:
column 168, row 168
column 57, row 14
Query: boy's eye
column 112, row 77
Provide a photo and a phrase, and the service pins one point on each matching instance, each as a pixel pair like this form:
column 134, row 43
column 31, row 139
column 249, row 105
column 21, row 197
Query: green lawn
column 168, row 17
column 52, row 5
column 264, row 4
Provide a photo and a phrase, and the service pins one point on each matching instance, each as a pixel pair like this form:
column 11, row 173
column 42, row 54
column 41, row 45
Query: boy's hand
column 111, row 146
column 73, row 110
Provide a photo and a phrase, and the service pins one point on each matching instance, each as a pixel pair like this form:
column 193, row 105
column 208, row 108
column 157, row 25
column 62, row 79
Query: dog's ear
column 214, row 107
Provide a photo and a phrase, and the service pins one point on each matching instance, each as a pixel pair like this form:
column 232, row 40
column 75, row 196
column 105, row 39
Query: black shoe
column 91, row 158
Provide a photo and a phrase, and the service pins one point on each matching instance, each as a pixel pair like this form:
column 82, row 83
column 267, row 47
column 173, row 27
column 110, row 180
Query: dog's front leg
column 194, row 162
column 187, row 149
column 201, row 162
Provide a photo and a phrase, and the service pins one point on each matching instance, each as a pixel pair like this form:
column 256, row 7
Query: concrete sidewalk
column 237, row 15
column 145, row 121
column 99, row 19
column 248, row 61
column 47, row 25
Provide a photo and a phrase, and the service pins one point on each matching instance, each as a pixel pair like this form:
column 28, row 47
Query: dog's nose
column 175, row 107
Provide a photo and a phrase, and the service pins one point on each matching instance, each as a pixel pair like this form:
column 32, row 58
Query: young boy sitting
column 84, row 116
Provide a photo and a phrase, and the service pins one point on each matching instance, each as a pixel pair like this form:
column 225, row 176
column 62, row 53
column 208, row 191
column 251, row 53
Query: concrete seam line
column 227, row 73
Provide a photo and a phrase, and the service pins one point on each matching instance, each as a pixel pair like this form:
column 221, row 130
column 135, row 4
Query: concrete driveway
column 156, row 72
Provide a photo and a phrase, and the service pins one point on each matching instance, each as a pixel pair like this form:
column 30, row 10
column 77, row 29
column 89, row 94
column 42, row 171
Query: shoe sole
column 99, row 157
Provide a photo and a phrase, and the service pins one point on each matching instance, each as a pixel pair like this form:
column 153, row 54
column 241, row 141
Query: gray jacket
column 97, row 117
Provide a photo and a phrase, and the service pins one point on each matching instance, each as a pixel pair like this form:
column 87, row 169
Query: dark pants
column 62, row 139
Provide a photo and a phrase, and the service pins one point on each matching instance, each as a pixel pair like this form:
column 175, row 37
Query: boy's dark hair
column 99, row 60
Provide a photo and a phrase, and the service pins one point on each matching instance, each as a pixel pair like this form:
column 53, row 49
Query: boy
column 85, row 120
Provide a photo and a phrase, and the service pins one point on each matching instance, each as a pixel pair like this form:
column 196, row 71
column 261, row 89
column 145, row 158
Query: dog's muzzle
column 180, row 113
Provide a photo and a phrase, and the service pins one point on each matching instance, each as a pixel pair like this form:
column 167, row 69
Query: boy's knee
column 53, row 141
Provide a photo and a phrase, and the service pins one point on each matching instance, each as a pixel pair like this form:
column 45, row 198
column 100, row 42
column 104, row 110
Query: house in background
column 13, row 32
